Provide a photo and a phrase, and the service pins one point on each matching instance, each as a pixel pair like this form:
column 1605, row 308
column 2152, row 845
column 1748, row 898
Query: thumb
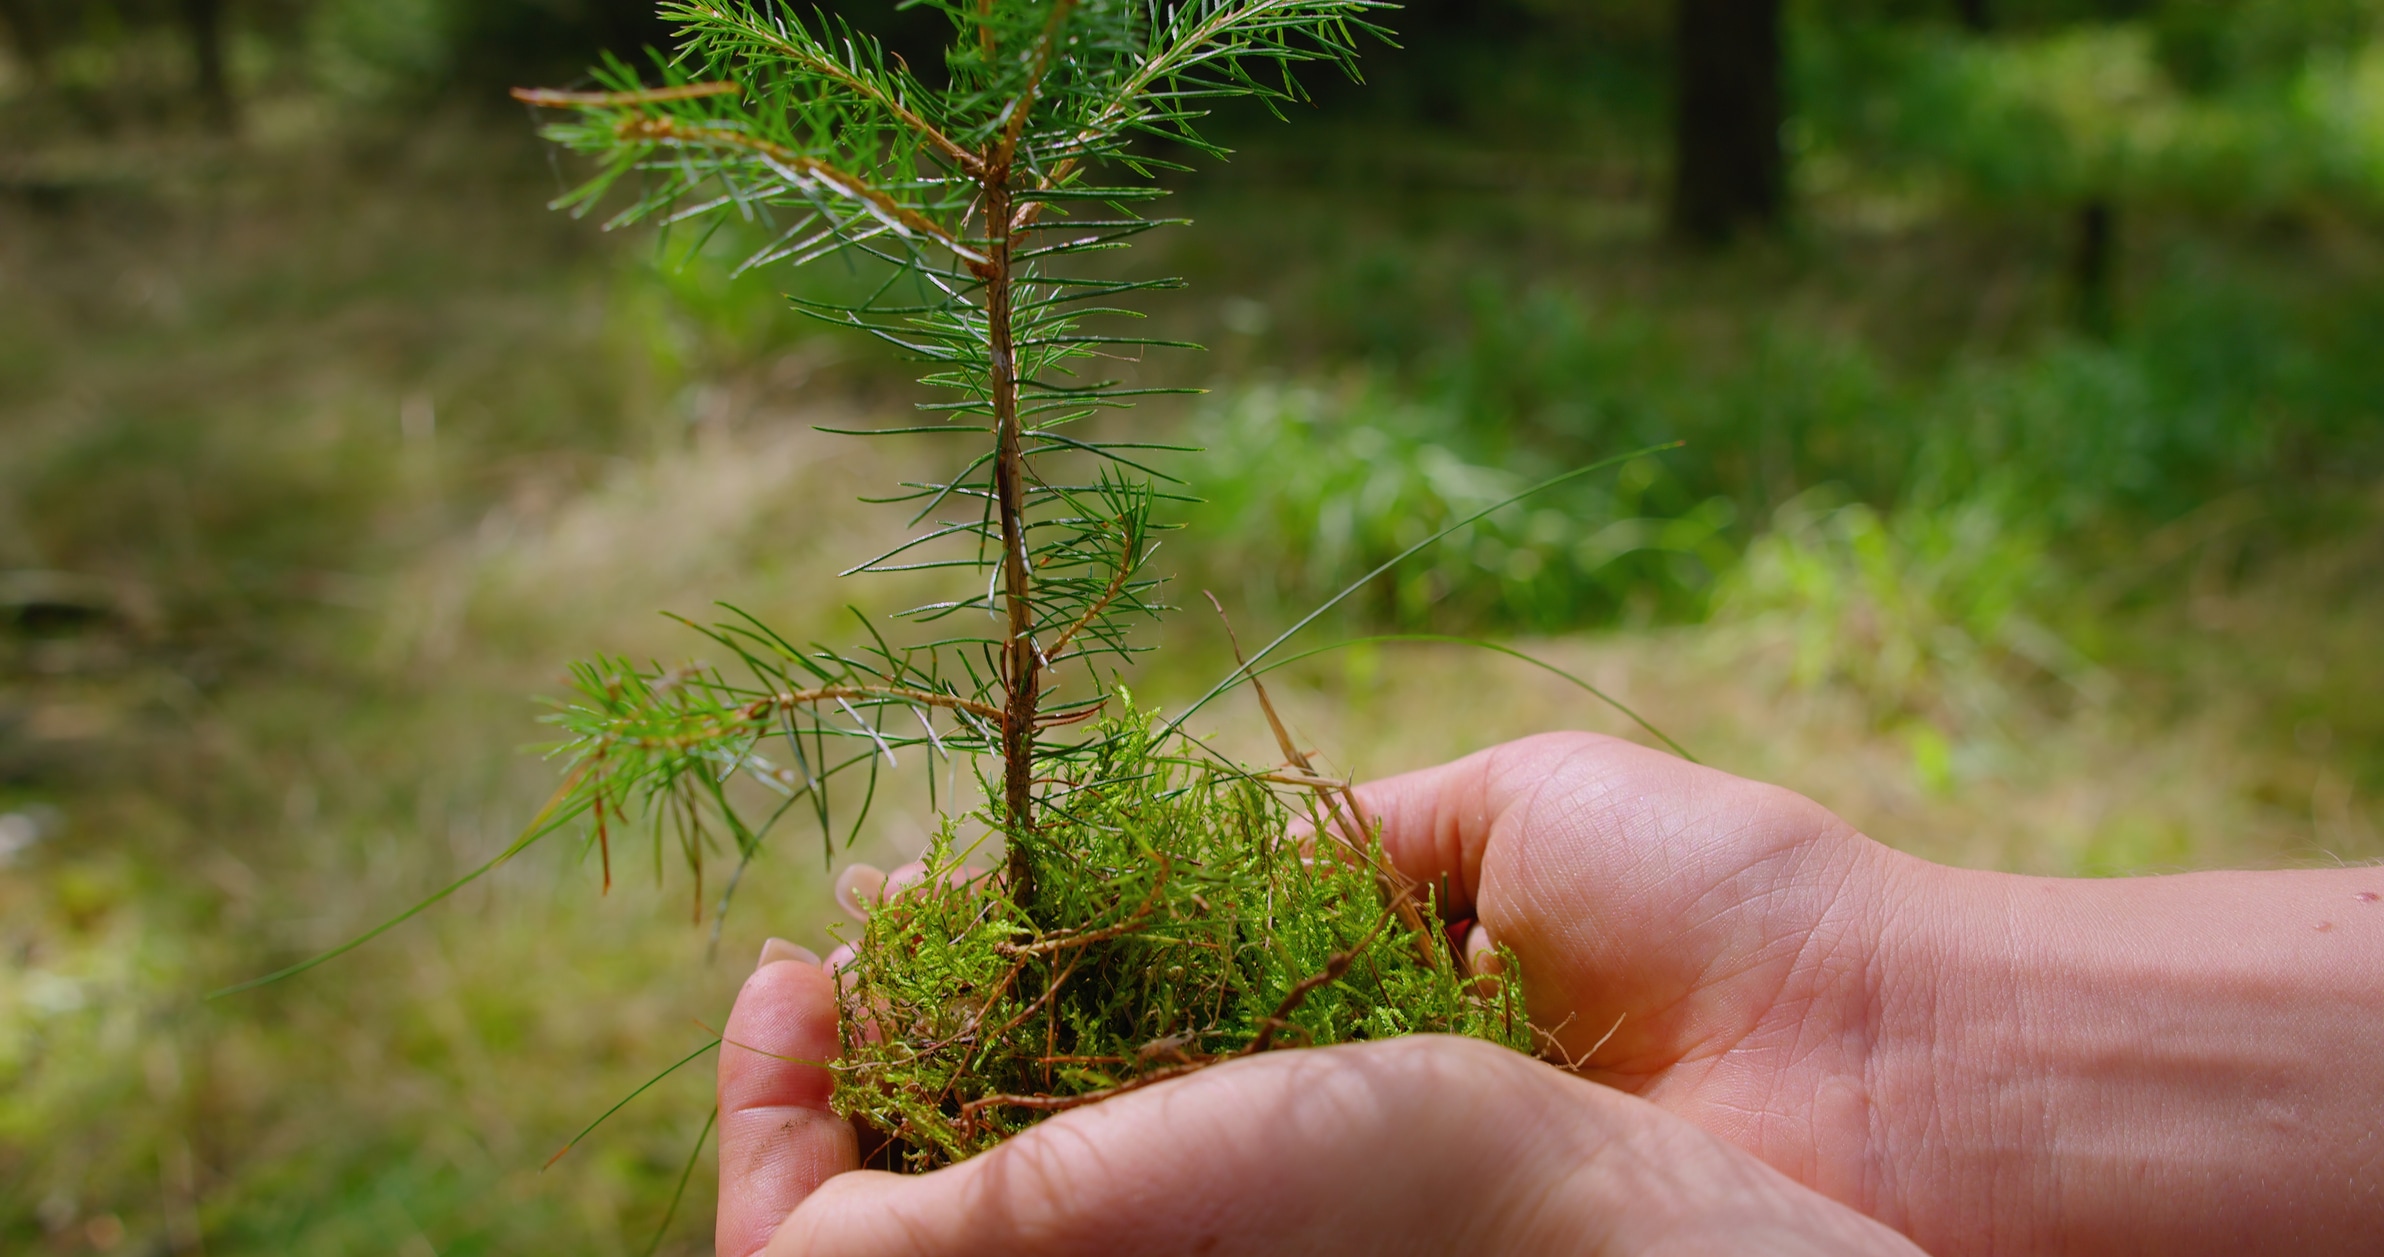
column 1629, row 883
column 778, row 1139
column 1439, row 825
column 1350, row 1149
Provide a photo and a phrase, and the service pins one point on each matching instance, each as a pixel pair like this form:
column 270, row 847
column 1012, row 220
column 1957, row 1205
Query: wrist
column 2185, row 1063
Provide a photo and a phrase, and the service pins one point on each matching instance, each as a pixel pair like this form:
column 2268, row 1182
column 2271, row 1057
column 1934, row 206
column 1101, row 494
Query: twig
column 1074, row 717
column 1059, row 939
column 1336, row 797
column 886, row 208
column 1055, row 1104
column 959, row 156
column 646, row 96
column 997, row 162
column 1127, row 556
column 1331, row 973
column 1306, row 780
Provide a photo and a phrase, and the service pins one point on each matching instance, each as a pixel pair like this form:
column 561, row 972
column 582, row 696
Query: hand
column 1423, row 1145
column 1991, row 1064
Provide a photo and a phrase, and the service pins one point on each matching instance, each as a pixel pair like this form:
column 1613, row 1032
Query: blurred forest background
column 2030, row 356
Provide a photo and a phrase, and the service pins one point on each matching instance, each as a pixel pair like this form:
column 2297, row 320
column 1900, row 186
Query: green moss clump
column 1177, row 924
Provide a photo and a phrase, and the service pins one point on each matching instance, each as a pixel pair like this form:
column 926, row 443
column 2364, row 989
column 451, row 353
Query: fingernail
column 857, row 887
column 902, row 879
column 778, row 949
column 1481, row 954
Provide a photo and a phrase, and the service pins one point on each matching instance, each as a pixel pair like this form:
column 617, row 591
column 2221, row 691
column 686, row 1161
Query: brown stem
column 1021, row 670
column 1059, row 1104
column 846, row 184
column 1129, row 552
column 644, row 96
column 1045, row 50
column 1333, row 798
column 1331, row 973
column 1022, row 663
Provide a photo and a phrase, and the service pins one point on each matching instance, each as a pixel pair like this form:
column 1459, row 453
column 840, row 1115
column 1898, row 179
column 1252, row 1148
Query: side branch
column 969, row 163
column 884, row 207
column 1007, row 147
column 646, row 96
column 1176, row 57
column 760, row 707
column 1128, row 558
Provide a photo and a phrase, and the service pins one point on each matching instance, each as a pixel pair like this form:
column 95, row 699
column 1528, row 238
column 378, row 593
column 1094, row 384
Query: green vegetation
column 347, row 445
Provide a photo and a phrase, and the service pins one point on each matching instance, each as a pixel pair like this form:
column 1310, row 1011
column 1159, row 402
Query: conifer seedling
column 1154, row 909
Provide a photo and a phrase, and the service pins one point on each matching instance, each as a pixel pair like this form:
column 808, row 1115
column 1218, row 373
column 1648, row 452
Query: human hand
column 1422, row 1145
column 1991, row 1064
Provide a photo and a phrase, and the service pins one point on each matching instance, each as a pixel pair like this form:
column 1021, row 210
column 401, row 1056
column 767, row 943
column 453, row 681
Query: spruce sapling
column 1152, row 911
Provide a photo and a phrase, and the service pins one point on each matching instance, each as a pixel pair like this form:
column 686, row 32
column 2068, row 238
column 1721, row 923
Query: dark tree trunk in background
column 2094, row 268
column 204, row 20
column 1728, row 171
column 25, row 34
column 1976, row 15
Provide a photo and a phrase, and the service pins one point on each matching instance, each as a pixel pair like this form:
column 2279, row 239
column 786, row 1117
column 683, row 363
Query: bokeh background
column 2029, row 356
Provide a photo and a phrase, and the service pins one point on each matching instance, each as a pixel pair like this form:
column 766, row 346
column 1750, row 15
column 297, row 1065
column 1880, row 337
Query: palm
column 1699, row 940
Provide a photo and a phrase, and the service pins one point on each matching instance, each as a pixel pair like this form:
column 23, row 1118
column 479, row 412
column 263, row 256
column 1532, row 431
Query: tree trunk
column 204, row 19
column 2094, row 267
column 25, row 32
column 1021, row 665
column 1728, row 171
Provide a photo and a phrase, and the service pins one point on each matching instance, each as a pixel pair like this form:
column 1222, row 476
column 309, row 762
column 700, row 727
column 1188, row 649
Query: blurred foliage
column 2219, row 388
column 1308, row 487
column 2093, row 110
column 410, row 48
column 1928, row 613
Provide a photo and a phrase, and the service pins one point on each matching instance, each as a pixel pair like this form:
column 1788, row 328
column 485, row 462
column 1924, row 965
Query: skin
column 1795, row 1026
column 1988, row 1063
column 1421, row 1145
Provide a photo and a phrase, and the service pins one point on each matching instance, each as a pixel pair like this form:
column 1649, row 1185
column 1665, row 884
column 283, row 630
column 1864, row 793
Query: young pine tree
column 1151, row 912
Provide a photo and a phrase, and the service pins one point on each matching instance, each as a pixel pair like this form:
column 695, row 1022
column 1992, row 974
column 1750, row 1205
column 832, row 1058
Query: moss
column 1178, row 922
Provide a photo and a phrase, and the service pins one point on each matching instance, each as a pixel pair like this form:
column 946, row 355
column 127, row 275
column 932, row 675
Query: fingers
column 1481, row 952
column 1422, row 1145
column 1438, row 822
column 860, row 886
column 857, row 887
column 778, row 1139
column 1276, row 1154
